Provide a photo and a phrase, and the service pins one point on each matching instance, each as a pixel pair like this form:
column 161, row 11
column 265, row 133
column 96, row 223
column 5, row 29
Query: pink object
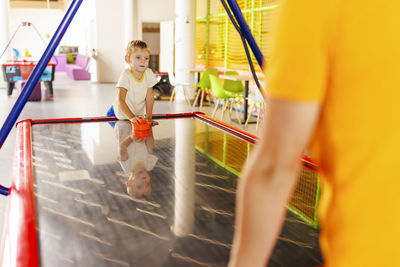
column 78, row 70
column 61, row 61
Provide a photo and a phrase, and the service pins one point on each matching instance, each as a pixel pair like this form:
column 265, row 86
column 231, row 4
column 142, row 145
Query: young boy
column 135, row 85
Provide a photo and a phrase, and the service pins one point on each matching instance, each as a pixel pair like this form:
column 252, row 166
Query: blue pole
column 246, row 31
column 38, row 70
column 4, row 190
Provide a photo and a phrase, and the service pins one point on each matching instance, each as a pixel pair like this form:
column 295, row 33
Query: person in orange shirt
column 333, row 89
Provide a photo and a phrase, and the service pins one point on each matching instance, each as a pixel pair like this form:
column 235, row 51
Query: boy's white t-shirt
column 137, row 90
column 138, row 153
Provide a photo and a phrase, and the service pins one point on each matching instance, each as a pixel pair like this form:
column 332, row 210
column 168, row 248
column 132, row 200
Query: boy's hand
column 149, row 118
column 134, row 119
column 123, row 154
column 139, row 139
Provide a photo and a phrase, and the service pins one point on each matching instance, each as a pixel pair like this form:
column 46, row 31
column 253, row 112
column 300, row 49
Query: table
column 246, row 79
column 18, row 70
column 69, row 206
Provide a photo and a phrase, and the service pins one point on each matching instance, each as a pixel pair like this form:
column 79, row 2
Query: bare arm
column 149, row 104
column 123, row 148
column 123, row 106
column 150, row 142
column 269, row 179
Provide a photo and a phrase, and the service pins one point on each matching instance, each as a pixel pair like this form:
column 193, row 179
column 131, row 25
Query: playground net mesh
column 232, row 153
column 218, row 44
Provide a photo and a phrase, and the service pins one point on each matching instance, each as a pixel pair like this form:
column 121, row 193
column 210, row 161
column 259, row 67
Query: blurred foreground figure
column 333, row 89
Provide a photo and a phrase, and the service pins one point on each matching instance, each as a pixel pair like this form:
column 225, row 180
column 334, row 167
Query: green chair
column 233, row 86
column 70, row 59
column 204, row 85
column 225, row 98
column 257, row 102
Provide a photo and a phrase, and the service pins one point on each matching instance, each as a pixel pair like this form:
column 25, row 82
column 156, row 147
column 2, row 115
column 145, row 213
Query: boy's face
column 138, row 60
column 139, row 184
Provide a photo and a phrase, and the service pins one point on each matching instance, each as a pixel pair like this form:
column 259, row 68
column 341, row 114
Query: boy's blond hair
column 136, row 44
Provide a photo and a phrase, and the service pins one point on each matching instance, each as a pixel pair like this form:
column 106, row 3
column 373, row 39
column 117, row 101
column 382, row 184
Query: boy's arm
column 123, row 106
column 149, row 104
column 123, row 148
column 150, row 142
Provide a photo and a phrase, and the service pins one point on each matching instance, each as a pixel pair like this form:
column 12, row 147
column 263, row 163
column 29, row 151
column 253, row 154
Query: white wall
column 130, row 24
column 167, row 46
column 153, row 40
column 155, row 11
column 4, row 29
column 45, row 20
column 110, row 31
column 78, row 33
column 110, row 39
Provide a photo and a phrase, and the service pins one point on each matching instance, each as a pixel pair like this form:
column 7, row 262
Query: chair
column 204, row 85
column 257, row 102
column 79, row 70
column 221, row 95
column 176, row 85
column 61, row 62
column 233, row 86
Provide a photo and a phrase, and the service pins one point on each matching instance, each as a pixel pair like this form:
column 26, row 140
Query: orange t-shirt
column 345, row 55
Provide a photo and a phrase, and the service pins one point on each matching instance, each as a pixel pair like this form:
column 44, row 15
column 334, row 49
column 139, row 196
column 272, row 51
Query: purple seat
column 78, row 71
column 61, row 62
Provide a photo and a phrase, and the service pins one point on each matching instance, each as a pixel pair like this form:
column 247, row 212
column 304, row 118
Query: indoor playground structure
column 70, row 200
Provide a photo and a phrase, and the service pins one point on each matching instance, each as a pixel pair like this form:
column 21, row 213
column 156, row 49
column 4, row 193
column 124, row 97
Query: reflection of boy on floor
column 136, row 159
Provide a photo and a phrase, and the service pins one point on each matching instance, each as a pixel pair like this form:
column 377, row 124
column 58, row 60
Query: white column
column 184, row 177
column 185, row 25
column 166, row 46
column 4, row 28
column 110, row 40
column 130, row 21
